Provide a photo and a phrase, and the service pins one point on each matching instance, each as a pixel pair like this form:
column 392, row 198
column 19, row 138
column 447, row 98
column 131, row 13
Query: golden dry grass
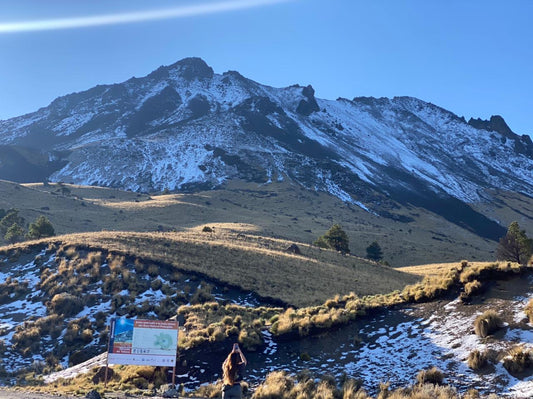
column 436, row 269
column 249, row 261
column 279, row 210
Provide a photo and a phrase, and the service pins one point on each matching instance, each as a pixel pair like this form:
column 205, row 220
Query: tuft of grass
column 471, row 288
column 280, row 385
column 477, row 359
column 277, row 384
column 528, row 310
column 430, row 376
column 487, row 323
column 212, row 322
column 518, row 360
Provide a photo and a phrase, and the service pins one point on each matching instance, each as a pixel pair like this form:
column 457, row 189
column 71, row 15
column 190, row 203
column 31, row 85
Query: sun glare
column 140, row 16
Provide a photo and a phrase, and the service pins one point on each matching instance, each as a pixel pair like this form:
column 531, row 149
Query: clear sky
column 472, row 57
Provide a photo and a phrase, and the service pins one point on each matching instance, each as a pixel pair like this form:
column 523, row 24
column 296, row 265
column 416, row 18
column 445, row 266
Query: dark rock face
column 199, row 106
column 26, row 165
column 523, row 144
column 156, row 107
column 307, row 107
column 496, row 123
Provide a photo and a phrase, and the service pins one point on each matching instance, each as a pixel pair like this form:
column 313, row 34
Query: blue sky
column 471, row 57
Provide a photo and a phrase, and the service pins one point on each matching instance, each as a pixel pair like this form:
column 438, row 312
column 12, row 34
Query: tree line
column 337, row 239
column 515, row 246
column 12, row 227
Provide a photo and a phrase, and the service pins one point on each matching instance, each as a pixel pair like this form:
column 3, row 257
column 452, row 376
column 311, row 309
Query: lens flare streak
column 132, row 17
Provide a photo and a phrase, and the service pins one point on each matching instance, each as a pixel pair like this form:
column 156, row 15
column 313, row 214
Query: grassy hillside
column 235, row 255
column 70, row 286
column 276, row 210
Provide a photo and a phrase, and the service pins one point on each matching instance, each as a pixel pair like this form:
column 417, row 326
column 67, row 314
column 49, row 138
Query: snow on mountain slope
column 184, row 127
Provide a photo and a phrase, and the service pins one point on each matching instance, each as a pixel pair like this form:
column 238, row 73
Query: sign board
column 143, row 342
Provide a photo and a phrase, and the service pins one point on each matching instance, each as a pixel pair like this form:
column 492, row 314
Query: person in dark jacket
column 232, row 373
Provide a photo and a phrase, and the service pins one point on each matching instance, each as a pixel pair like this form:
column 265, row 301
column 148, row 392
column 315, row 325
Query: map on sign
column 143, row 342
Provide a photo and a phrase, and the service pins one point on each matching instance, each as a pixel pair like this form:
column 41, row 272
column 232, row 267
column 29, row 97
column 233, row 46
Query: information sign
column 143, row 342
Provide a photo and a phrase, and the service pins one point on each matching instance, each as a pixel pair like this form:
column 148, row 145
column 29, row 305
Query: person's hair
column 229, row 368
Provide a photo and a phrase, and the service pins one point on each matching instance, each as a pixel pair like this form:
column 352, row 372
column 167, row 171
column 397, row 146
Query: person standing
column 232, row 373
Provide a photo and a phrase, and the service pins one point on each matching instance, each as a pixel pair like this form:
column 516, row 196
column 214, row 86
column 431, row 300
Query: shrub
column 472, row 288
column 217, row 334
column 26, row 339
column 477, row 359
column 153, row 271
column 156, row 284
column 250, row 339
column 51, row 325
column 87, row 335
column 487, row 323
column 210, row 390
column 529, row 310
column 277, row 385
column 202, row 295
column 321, row 242
column 518, row 360
column 143, row 376
column 207, row 229
column 430, row 376
column 66, row 304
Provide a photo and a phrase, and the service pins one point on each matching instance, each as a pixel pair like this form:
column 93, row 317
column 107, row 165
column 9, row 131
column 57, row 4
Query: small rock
column 293, row 248
column 93, row 395
column 171, row 393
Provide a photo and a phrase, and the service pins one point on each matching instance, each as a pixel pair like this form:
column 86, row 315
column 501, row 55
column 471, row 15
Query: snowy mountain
column 183, row 127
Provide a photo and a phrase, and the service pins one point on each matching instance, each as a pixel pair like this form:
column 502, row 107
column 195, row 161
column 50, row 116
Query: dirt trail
column 11, row 394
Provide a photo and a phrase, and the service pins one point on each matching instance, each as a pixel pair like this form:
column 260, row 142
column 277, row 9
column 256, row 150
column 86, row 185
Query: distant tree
column 14, row 234
column 321, row 243
column 515, row 246
column 10, row 218
column 40, row 228
column 335, row 238
column 2, row 213
column 374, row 252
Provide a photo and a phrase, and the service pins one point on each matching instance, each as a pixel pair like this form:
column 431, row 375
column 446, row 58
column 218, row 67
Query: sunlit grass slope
column 280, row 209
column 235, row 255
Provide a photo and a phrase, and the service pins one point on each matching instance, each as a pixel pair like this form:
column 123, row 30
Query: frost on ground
column 22, row 308
column 396, row 344
column 393, row 345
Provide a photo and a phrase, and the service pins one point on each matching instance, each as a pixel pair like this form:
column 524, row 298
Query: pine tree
column 515, row 246
column 373, row 252
column 10, row 218
column 40, row 228
column 14, row 233
column 335, row 238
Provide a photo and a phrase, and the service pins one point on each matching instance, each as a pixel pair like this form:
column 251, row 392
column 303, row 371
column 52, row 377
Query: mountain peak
column 193, row 67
